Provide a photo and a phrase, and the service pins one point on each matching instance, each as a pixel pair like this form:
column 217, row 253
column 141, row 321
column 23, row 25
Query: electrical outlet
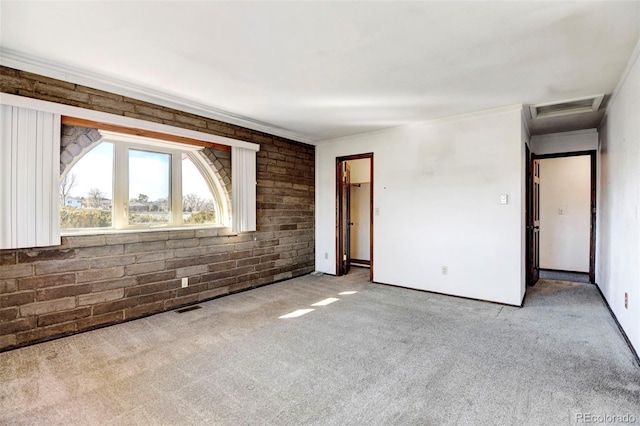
column 326, row 255
column 185, row 282
column 626, row 300
column 445, row 270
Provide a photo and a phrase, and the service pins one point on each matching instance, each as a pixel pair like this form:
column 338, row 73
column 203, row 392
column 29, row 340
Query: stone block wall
column 97, row 280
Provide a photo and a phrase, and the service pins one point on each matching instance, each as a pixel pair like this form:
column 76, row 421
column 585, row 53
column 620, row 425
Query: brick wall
column 97, row 280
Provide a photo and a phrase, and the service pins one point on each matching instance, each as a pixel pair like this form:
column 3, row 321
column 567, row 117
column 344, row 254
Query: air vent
column 188, row 309
column 573, row 106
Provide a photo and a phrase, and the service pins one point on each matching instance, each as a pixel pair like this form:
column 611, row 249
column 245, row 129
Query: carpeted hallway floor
column 382, row 355
column 575, row 277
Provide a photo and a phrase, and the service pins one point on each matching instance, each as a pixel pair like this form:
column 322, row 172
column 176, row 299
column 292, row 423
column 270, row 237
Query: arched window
column 133, row 182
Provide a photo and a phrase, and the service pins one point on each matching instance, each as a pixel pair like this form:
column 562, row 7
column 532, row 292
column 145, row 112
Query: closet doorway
column 354, row 224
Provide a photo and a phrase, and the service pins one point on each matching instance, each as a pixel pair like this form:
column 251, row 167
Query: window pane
column 198, row 205
column 86, row 192
column 149, row 187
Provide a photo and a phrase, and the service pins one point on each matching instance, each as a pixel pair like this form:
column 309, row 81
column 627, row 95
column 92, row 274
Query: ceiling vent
column 574, row 106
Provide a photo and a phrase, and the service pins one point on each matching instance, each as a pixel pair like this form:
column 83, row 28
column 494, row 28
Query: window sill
column 224, row 230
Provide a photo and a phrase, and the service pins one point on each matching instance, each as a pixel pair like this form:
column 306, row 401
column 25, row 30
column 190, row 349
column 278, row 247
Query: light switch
column 504, row 199
column 377, row 211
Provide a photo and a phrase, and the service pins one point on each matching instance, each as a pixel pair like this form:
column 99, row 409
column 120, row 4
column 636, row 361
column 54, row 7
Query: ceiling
column 314, row 71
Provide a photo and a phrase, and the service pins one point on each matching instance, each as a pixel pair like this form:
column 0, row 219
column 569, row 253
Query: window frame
column 121, row 196
column 122, row 143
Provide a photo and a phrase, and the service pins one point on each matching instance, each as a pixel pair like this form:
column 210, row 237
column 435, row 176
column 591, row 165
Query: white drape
column 29, row 178
column 243, row 189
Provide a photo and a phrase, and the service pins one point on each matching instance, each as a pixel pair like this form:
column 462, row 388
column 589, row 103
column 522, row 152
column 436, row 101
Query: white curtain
column 29, row 178
column 243, row 189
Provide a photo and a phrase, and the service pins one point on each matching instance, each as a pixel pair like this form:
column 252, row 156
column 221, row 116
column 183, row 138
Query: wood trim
column 528, row 216
column 371, row 214
column 451, row 295
column 593, row 203
column 339, row 228
column 355, row 157
column 592, row 247
column 360, row 261
column 563, row 154
column 624, row 334
column 339, row 160
column 563, row 271
column 81, row 122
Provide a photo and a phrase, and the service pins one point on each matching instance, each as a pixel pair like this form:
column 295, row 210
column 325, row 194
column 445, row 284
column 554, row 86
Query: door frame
column 593, row 202
column 529, row 252
column 339, row 224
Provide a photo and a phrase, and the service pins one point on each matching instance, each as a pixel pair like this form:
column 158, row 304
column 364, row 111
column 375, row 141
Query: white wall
column 618, row 228
column 360, row 216
column 360, row 170
column 437, row 188
column 360, row 205
column 565, row 218
column 580, row 140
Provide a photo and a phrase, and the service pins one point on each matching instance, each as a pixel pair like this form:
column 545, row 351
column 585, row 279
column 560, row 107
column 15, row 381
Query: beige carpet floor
column 377, row 355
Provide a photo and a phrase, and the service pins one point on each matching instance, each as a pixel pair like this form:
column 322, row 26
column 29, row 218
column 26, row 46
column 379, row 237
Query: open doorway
column 354, row 213
column 532, row 218
column 561, row 217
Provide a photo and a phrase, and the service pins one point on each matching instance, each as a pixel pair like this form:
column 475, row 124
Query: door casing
column 531, row 248
column 340, row 225
column 593, row 205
